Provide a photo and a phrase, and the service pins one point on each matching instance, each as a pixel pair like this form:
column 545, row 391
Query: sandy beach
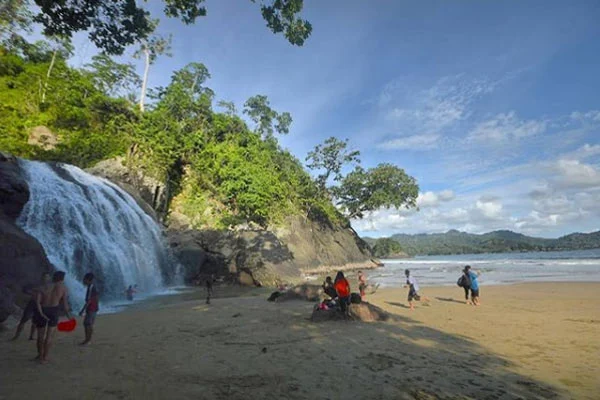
column 530, row 341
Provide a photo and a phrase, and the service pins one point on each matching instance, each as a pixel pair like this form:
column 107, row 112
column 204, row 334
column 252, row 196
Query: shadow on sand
column 248, row 348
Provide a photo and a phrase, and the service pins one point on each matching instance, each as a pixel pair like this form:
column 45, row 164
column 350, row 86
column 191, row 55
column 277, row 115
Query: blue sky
column 494, row 106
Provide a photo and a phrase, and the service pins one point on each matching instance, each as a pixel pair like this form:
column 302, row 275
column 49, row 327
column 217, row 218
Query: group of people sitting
column 339, row 293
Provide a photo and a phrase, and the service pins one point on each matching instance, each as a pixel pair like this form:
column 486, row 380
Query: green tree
column 14, row 16
column 384, row 186
column 228, row 106
column 150, row 49
column 385, row 247
column 115, row 24
column 113, row 78
column 266, row 119
column 62, row 48
column 329, row 158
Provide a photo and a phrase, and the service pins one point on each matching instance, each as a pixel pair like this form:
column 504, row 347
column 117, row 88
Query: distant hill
column 456, row 242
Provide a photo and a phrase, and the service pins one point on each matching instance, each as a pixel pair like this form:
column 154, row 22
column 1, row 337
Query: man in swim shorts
column 48, row 300
column 29, row 311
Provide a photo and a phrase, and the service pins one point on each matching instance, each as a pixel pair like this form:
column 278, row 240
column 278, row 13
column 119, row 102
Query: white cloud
column 437, row 107
column 584, row 152
column 573, row 173
column 415, row 142
column 491, row 209
column 506, row 126
column 430, row 199
column 587, row 116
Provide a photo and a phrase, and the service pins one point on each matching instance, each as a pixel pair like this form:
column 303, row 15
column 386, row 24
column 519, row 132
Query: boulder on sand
column 364, row 312
column 302, row 292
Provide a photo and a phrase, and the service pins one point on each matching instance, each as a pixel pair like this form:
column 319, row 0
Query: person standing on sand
column 90, row 307
column 342, row 288
column 413, row 291
column 474, row 284
column 465, row 282
column 30, row 309
column 48, row 299
column 209, row 287
column 362, row 284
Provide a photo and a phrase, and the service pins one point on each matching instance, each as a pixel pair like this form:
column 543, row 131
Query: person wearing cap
column 413, row 291
column 474, row 284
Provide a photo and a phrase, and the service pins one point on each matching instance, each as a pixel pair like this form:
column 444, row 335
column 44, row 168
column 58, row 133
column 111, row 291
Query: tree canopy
column 114, row 25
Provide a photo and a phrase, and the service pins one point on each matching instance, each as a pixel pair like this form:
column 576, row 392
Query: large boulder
column 364, row 312
column 149, row 193
column 41, row 136
column 7, row 303
column 304, row 291
column 254, row 258
column 14, row 191
column 22, row 257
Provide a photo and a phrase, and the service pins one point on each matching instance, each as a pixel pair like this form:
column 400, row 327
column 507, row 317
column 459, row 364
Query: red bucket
column 67, row 326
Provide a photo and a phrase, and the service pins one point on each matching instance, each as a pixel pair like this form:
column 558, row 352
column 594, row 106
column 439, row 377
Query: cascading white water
column 88, row 224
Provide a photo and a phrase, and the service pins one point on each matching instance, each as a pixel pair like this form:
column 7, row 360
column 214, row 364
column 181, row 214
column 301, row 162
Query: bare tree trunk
column 48, row 76
column 145, row 80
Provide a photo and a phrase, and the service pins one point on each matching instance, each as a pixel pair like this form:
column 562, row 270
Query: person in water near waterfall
column 48, row 301
column 90, row 307
column 29, row 311
column 413, row 291
column 130, row 292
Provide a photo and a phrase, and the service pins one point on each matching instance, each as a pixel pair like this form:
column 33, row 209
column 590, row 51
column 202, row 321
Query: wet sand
column 531, row 341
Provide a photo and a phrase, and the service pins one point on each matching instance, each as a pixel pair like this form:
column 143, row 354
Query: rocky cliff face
column 248, row 255
column 270, row 256
column 22, row 257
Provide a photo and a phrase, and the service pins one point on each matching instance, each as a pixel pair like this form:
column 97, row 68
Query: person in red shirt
column 342, row 287
column 90, row 307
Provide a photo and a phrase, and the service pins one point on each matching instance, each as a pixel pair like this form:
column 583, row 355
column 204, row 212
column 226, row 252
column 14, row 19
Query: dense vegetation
column 217, row 171
column 455, row 242
column 220, row 171
column 386, row 248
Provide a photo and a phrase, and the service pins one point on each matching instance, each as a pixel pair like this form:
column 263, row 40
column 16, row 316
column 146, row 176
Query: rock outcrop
column 41, row 136
column 269, row 257
column 149, row 193
column 364, row 312
column 22, row 257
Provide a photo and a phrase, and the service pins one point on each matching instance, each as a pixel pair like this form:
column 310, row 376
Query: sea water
column 495, row 269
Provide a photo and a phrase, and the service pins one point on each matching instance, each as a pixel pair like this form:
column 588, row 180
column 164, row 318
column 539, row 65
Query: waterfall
column 88, row 224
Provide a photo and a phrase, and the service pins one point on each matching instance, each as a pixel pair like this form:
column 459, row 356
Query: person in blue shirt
column 474, row 284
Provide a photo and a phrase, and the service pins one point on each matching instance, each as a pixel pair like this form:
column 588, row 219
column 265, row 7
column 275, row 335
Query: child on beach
column 413, row 291
column 328, row 288
column 362, row 284
column 474, row 284
column 342, row 288
column 90, row 307
column 29, row 311
column 48, row 300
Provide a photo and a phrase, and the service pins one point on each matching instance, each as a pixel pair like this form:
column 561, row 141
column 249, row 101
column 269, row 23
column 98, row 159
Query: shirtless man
column 30, row 309
column 48, row 300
